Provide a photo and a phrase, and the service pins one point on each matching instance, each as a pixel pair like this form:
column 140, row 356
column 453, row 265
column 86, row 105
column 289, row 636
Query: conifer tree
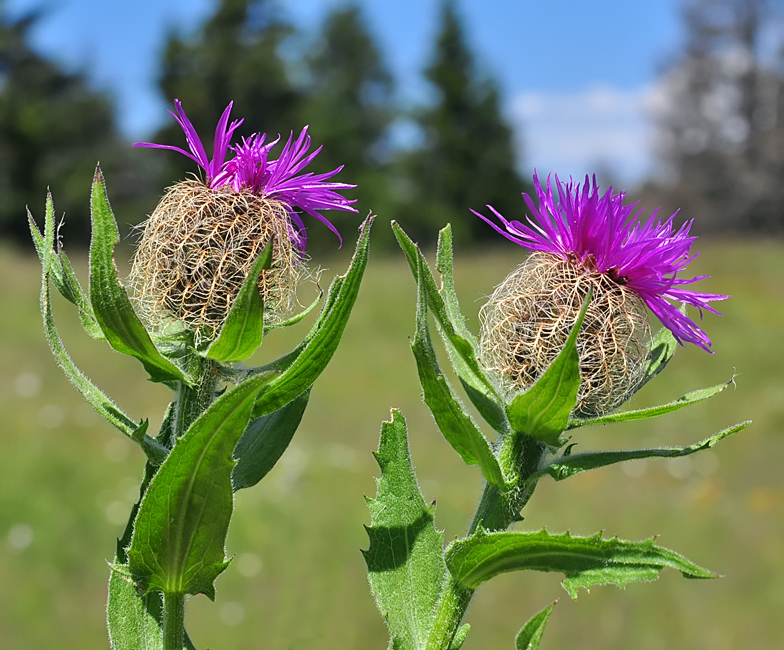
column 349, row 108
column 233, row 57
column 468, row 158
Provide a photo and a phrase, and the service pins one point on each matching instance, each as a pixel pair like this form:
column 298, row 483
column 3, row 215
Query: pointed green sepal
column 405, row 559
column 643, row 414
column 178, row 543
column 460, row 344
column 297, row 317
column 530, row 636
column 300, row 368
column 454, row 423
column 569, row 464
column 585, row 561
column 111, row 305
column 243, row 330
column 542, row 411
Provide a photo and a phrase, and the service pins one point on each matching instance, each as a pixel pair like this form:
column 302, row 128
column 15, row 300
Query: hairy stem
column 496, row 511
column 192, row 401
column 173, row 621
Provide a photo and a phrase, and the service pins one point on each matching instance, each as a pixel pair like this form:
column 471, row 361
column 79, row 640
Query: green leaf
column 585, row 561
column 61, row 272
column 298, row 317
column 460, row 637
column 662, row 348
column 405, row 559
column 134, row 620
column 542, row 411
column 105, row 407
column 530, row 636
column 568, row 465
column 455, row 424
column 178, row 543
column 458, row 341
column 243, row 330
column 302, row 367
column 641, row 414
column 264, row 441
column 444, row 265
column 111, row 305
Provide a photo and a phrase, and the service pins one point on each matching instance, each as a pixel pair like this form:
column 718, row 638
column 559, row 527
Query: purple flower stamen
column 250, row 169
column 602, row 232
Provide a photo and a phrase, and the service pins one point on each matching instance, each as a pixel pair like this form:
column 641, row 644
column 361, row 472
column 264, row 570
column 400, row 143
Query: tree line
column 720, row 130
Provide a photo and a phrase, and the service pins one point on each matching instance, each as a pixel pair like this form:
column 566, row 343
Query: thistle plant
column 215, row 271
column 564, row 341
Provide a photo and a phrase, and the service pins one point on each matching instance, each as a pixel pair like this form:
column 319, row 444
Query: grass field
column 298, row 581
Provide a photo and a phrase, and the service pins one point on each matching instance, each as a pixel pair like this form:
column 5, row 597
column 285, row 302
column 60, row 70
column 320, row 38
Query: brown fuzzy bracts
column 528, row 318
column 197, row 249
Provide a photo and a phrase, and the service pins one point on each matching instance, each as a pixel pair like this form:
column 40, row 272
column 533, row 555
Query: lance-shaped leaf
column 642, row 414
column 458, row 341
column 585, row 561
column 542, row 411
column 530, row 636
column 301, row 368
column 455, row 424
column 405, row 559
column 460, row 637
column 111, row 305
column 570, row 464
column 61, row 272
column 243, row 330
column 297, row 317
column 264, row 441
column 178, row 543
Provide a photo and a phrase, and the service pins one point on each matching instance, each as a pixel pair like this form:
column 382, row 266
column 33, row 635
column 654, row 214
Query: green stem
column 192, row 401
column 451, row 609
column 173, row 621
column 496, row 511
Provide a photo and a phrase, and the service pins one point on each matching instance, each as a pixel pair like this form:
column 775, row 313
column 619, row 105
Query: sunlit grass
column 298, row 580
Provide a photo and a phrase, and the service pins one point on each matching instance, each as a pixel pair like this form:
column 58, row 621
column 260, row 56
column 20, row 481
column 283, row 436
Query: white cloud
column 573, row 134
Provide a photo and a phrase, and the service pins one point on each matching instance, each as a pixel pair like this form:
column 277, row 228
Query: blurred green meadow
column 67, row 481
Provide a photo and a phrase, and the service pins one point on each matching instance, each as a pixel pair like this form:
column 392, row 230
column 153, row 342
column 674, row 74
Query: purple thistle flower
column 605, row 236
column 251, row 169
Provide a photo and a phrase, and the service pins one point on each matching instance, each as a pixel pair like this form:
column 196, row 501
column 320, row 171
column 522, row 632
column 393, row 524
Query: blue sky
column 578, row 78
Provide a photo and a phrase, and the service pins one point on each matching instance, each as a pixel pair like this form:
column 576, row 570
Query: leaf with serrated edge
column 542, row 411
column 585, row 561
column 111, row 305
column 264, row 441
column 461, row 351
column 309, row 360
column 405, row 559
column 530, row 635
column 243, row 330
column 178, row 543
column 642, row 414
column 562, row 467
column 455, row 424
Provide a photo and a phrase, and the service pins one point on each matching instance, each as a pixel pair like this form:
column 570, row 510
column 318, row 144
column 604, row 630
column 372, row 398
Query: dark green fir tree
column 235, row 56
column 349, row 108
column 468, row 159
column 53, row 130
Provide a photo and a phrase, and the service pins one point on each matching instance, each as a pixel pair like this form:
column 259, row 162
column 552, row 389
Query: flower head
column 250, row 169
column 202, row 239
column 602, row 235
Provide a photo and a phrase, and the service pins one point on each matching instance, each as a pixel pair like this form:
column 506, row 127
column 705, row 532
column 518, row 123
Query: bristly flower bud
column 200, row 242
column 579, row 241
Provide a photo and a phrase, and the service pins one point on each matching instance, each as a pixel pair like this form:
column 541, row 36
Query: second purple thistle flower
column 198, row 245
column 581, row 240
